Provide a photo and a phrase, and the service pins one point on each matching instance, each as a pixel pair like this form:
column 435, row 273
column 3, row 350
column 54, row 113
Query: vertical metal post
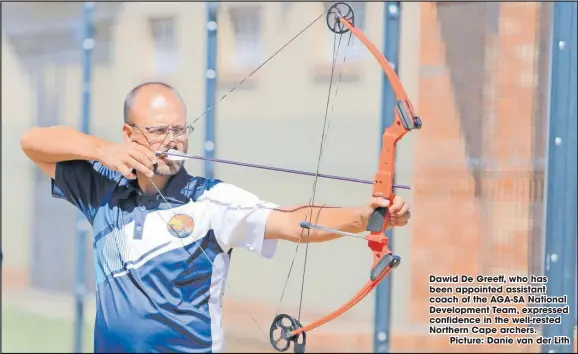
column 81, row 223
column 561, row 205
column 392, row 11
column 210, row 87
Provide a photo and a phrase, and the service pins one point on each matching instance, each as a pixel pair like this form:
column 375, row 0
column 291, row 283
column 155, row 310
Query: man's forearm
column 60, row 143
column 342, row 219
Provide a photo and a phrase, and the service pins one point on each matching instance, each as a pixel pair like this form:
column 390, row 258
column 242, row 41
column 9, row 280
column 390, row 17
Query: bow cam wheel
column 280, row 334
column 337, row 11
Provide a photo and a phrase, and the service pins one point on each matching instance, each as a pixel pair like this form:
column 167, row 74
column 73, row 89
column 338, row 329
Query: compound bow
column 384, row 260
column 287, row 329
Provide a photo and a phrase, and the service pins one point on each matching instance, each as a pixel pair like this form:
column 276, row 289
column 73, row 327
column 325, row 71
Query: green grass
column 24, row 331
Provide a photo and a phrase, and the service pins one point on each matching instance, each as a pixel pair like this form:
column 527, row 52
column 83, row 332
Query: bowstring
column 311, row 201
column 321, row 149
column 338, row 82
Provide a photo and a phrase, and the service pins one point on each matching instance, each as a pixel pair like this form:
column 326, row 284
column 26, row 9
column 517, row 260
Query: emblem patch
column 181, row 225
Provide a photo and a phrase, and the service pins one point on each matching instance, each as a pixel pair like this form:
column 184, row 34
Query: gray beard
column 171, row 168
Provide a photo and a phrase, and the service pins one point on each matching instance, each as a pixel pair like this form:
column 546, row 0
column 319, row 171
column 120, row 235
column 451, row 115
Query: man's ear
column 126, row 133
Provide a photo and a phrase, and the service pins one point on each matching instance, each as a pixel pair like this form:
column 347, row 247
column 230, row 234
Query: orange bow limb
column 361, row 294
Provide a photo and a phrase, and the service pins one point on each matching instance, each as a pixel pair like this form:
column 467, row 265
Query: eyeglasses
column 156, row 133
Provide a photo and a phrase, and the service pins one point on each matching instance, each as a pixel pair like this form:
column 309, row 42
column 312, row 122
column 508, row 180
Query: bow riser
column 383, row 179
column 404, row 121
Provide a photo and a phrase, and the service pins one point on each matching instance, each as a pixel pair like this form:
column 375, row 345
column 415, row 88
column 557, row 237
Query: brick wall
column 465, row 221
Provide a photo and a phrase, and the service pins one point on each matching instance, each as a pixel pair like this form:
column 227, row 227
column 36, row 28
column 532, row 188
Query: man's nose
column 173, row 133
column 171, row 138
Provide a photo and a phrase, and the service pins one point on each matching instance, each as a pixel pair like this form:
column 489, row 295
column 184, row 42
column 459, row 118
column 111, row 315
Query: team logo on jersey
column 181, row 225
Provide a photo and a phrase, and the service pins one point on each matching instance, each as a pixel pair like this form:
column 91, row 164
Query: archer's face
column 158, row 121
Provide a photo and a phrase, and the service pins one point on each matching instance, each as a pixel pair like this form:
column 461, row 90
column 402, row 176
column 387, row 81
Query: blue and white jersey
column 161, row 268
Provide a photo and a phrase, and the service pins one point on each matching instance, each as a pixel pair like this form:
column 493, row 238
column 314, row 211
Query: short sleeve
column 84, row 184
column 238, row 219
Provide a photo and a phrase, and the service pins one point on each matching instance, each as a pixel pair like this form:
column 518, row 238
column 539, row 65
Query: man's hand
column 125, row 157
column 399, row 212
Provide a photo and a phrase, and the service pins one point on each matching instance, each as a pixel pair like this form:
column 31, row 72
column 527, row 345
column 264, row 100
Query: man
column 162, row 238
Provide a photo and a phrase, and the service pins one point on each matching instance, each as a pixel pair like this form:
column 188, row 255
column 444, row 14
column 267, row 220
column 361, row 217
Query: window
column 246, row 22
column 166, row 56
column 355, row 50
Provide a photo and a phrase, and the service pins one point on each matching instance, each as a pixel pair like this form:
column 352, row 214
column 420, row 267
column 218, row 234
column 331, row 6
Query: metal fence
column 477, row 73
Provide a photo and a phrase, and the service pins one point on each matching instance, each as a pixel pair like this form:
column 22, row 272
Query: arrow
column 176, row 155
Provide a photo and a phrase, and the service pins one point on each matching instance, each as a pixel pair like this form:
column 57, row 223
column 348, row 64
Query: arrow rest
column 336, row 11
column 280, row 333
